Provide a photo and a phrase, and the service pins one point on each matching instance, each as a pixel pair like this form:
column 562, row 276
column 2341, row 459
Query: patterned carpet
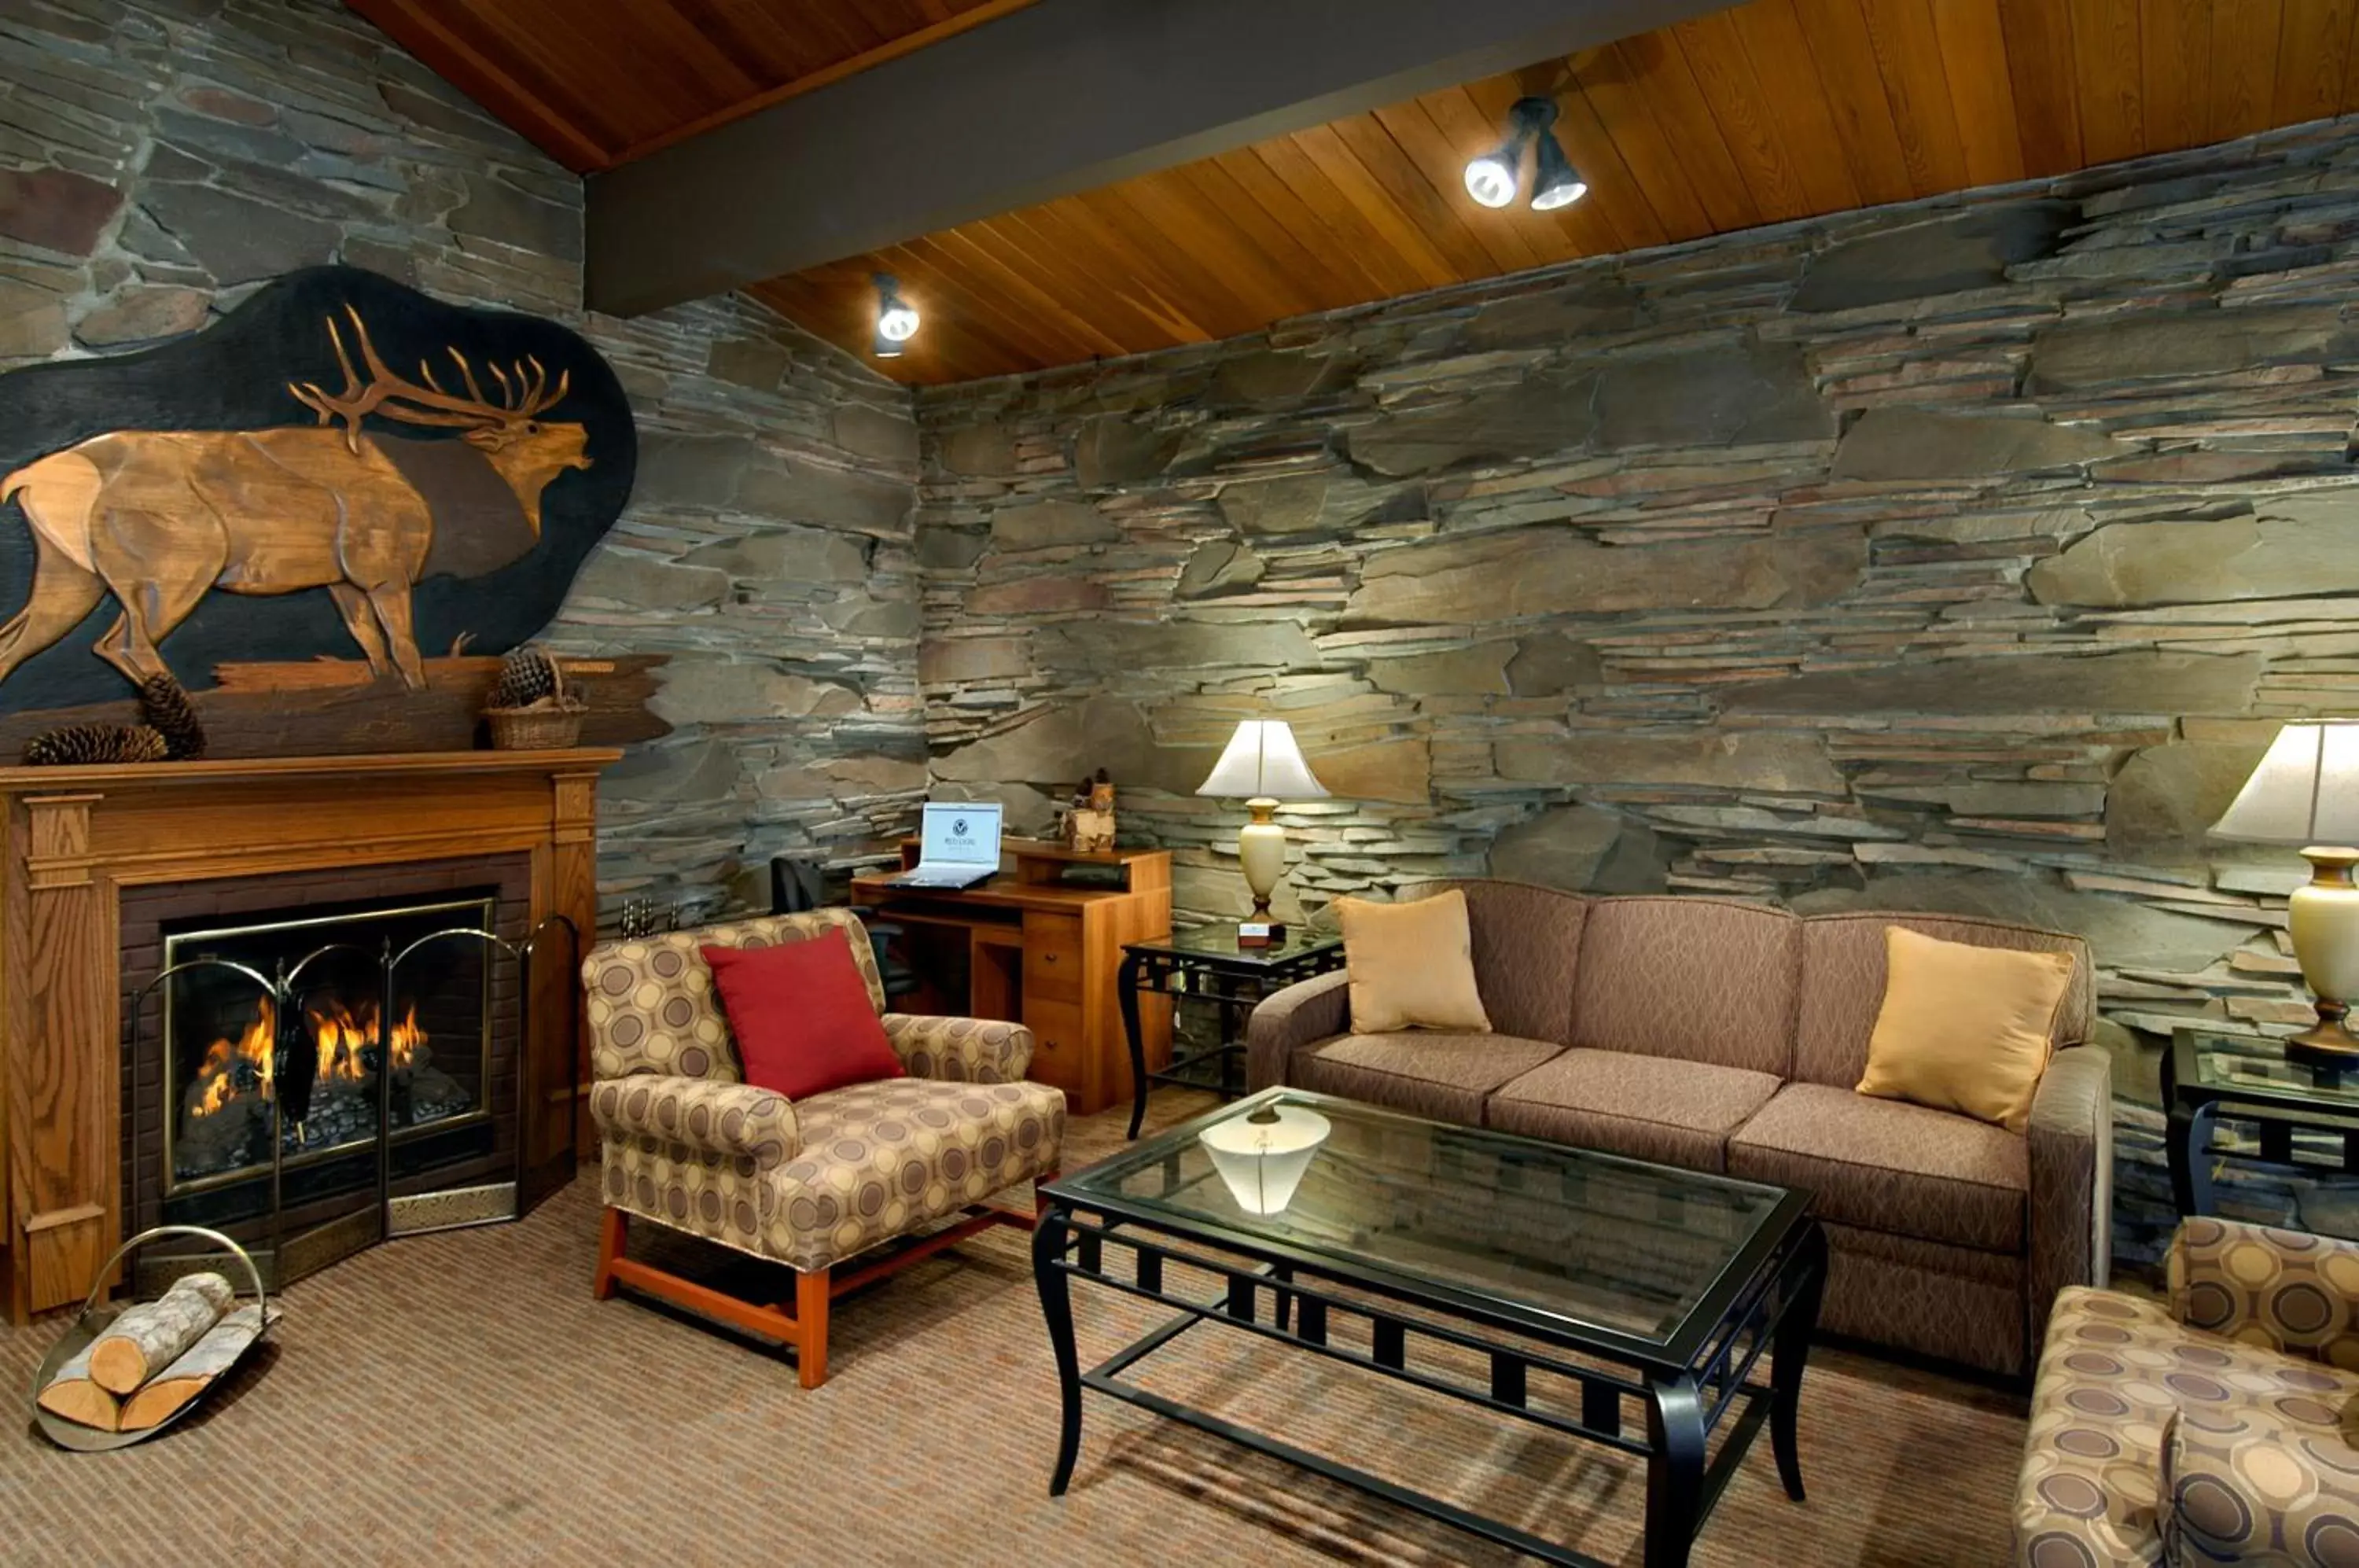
column 459, row 1399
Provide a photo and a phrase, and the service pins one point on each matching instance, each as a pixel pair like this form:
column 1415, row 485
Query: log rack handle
column 98, row 1288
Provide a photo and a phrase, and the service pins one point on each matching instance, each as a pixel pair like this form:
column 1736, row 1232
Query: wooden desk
column 1045, row 950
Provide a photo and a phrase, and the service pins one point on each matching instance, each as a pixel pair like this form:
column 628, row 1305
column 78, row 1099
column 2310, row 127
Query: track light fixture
column 1493, row 178
column 896, row 319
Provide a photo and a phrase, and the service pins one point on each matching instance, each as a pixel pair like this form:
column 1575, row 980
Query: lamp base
column 2323, row 919
column 2329, row 1037
column 1261, row 854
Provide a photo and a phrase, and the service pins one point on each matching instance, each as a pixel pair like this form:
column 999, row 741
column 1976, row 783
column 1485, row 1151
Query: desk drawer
column 1052, row 958
column 1057, row 1054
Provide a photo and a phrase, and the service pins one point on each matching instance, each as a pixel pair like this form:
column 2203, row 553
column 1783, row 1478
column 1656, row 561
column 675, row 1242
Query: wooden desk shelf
column 1044, row 948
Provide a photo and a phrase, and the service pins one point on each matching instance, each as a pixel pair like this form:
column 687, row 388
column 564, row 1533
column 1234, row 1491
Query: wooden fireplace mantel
column 74, row 836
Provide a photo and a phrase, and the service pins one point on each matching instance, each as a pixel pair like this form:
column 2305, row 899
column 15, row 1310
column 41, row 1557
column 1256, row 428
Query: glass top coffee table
column 1605, row 1298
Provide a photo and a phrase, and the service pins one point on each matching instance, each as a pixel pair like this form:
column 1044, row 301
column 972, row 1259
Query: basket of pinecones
column 530, row 709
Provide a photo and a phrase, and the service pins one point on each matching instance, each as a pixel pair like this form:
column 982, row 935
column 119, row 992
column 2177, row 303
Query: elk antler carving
column 424, row 401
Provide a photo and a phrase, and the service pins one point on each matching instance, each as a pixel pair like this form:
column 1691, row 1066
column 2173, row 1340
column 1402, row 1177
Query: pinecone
column 78, row 745
column 167, row 710
column 527, row 675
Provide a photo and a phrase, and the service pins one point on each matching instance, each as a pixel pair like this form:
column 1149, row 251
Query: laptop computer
column 957, row 845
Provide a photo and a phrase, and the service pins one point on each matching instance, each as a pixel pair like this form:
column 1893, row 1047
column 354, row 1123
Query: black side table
column 2211, row 1073
column 1207, row 961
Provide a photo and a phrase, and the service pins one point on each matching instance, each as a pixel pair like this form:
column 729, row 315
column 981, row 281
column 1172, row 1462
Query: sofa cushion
column 1889, row 1166
column 1843, row 984
column 1964, row 1028
column 1702, row 979
column 1411, row 965
column 1423, row 1072
column 1650, row 1107
column 1526, row 941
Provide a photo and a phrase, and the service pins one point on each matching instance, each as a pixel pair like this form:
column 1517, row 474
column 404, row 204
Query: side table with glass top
column 2213, row 1073
column 1206, row 962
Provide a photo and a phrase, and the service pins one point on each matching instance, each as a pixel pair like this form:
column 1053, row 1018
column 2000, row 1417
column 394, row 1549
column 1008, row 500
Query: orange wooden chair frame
column 805, row 1327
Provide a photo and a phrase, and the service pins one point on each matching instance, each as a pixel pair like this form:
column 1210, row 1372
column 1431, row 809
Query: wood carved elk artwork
column 160, row 518
column 341, row 469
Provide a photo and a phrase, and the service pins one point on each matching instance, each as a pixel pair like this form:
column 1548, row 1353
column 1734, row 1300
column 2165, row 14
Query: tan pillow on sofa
column 1411, row 965
column 1964, row 1028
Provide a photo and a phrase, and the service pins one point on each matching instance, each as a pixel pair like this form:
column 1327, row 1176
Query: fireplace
column 239, row 1063
column 110, row 1122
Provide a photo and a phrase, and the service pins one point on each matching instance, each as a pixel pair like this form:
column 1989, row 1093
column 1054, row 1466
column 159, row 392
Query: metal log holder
column 390, row 1215
column 94, row 1320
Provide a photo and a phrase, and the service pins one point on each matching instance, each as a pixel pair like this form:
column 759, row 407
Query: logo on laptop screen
column 958, row 826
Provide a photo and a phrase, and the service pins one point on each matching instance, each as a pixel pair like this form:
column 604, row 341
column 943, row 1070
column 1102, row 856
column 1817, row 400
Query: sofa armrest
column 2071, row 1170
column 736, row 1121
column 2291, row 1292
column 959, row 1050
column 2212, row 1452
column 1307, row 1010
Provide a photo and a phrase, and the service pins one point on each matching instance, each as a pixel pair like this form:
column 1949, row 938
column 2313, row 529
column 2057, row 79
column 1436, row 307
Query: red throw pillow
column 801, row 1015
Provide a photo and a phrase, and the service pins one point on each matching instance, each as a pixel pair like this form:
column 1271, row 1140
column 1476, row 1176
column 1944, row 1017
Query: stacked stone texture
column 165, row 157
column 1960, row 556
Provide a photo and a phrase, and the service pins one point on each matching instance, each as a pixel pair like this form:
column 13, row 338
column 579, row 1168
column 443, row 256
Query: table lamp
column 2306, row 793
column 1261, row 762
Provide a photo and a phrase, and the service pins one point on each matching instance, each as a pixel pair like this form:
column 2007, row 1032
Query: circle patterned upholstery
column 2214, row 1433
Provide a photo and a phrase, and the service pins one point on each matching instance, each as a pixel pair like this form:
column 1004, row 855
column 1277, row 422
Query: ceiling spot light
column 896, row 319
column 1493, row 178
column 1554, row 182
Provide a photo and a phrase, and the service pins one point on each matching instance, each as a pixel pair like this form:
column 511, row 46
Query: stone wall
column 159, row 158
column 1959, row 556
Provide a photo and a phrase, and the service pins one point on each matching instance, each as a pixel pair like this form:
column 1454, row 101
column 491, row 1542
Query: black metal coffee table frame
column 1769, row 1302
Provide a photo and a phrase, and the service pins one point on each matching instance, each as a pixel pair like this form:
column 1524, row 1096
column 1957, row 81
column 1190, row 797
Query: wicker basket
column 553, row 724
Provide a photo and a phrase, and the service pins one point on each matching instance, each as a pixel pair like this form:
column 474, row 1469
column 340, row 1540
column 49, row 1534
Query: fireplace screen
column 237, row 1063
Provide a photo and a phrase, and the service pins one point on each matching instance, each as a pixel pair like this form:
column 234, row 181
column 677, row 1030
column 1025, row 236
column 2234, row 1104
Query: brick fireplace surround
column 77, row 838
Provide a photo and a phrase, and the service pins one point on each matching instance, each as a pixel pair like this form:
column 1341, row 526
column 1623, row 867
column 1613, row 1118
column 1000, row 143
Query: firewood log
column 72, row 1395
column 146, row 1338
column 194, row 1372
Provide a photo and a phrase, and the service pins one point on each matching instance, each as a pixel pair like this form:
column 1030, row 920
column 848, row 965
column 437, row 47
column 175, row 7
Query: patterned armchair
column 812, row 1183
column 2212, row 1430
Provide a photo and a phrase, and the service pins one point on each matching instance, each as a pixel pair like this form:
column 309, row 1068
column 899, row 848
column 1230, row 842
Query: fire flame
column 340, row 1032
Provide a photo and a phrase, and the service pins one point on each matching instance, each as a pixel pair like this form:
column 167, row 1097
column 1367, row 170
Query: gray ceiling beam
column 1065, row 95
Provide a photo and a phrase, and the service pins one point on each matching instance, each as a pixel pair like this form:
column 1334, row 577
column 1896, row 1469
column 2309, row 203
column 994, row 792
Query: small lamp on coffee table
column 2305, row 793
column 1262, row 764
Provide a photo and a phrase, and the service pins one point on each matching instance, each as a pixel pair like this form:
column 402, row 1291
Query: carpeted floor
column 459, row 1399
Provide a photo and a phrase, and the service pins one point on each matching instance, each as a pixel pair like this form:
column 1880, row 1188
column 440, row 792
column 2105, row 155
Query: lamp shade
column 1262, row 762
column 2305, row 792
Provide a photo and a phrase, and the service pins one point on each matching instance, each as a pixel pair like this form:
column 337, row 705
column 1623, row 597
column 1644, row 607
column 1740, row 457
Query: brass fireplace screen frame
column 488, row 905
column 388, row 1216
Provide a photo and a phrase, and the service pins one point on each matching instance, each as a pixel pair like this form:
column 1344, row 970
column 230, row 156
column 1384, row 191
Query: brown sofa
column 1726, row 1036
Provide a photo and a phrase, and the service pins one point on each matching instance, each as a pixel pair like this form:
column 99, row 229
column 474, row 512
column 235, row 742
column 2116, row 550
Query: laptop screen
column 960, row 832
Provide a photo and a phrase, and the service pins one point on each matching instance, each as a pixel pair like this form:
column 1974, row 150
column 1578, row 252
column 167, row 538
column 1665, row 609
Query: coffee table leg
column 1050, row 1237
column 1787, row 1355
column 1674, row 1470
column 1125, row 990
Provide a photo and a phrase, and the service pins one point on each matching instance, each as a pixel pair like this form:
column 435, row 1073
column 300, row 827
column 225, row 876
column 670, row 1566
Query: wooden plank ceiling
column 1774, row 110
column 598, row 82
